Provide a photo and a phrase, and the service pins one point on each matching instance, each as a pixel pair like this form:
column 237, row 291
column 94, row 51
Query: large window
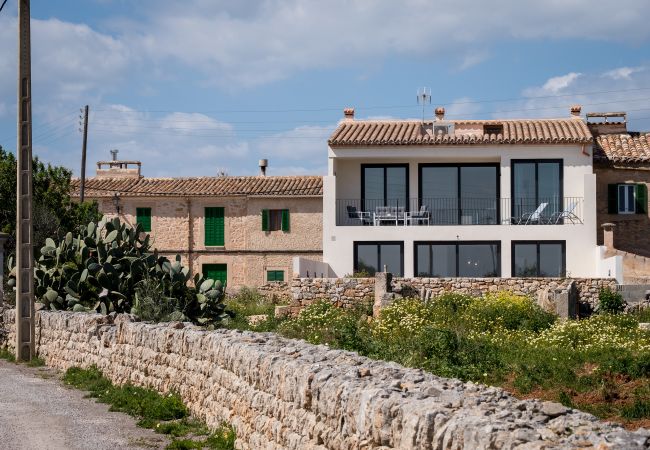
column 384, row 185
column 538, row 258
column 460, row 194
column 371, row 257
column 535, row 183
column 458, row 259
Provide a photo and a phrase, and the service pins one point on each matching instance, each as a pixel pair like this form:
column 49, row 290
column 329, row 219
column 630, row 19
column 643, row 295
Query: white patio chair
column 362, row 216
column 534, row 217
column 567, row 214
column 419, row 217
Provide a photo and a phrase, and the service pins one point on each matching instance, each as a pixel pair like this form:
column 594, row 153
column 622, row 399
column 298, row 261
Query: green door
column 216, row 272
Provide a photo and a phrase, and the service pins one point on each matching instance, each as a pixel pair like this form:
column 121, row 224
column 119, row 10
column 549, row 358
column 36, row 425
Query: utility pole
column 83, row 156
column 24, row 231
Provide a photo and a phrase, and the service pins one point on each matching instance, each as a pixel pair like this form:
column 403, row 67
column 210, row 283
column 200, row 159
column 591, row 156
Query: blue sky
column 201, row 86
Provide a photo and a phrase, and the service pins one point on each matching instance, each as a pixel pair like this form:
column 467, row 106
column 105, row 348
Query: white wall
column 611, row 267
column 344, row 182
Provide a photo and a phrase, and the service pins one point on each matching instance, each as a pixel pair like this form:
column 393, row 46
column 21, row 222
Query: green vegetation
column 7, row 355
column 110, row 267
column 164, row 414
column 600, row 364
column 610, row 302
column 249, row 302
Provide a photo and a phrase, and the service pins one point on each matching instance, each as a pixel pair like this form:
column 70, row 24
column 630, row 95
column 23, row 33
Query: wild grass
column 164, row 414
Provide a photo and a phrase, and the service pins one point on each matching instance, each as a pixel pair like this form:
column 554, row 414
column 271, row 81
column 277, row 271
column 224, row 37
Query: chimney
column 440, row 113
column 608, row 235
column 117, row 168
column 575, row 111
column 263, row 165
column 348, row 114
column 114, row 153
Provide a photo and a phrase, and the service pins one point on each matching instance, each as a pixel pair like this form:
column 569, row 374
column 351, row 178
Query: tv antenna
column 424, row 98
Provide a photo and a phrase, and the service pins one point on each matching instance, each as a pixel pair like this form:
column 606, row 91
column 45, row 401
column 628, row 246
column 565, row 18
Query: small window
column 626, row 199
column 274, row 275
column 493, row 129
column 275, row 220
column 143, row 217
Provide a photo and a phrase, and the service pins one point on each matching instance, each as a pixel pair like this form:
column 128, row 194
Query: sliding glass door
column 384, row 185
column 536, row 187
column 458, row 259
column 371, row 257
column 465, row 194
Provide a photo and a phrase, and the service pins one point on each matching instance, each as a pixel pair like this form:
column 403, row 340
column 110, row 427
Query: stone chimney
column 575, row 111
column 348, row 114
column 116, row 168
column 264, row 163
column 440, row 113
column 608, row 235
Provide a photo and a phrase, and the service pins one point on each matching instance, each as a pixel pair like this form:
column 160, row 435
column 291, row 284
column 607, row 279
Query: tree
column 54, row 212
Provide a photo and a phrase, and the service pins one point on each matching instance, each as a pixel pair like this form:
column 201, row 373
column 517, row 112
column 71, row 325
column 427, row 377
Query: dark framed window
column 214, row 226
column 143, row 217
column 534, row 182
column 274, row 275
column 472, row 259
column 460, row 193
column 275, row 220
column 384, row 185
column 627, row 198
column 538, row 258
column 371, row 257
column 215, row 272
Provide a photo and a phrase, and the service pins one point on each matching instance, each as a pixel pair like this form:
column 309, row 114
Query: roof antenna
column 424, row 98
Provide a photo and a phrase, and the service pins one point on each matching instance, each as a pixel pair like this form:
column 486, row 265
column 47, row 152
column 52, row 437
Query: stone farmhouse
column 486, row 198
column 241, row 230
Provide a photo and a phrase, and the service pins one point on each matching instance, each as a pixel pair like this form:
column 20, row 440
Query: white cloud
column 556, row 84
column 303, row 143
column 622, row 72
column 473, row 58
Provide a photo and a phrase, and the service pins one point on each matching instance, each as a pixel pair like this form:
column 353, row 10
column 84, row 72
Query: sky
column 202, row 87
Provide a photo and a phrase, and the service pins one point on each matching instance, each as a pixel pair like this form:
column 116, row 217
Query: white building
column 462, row 198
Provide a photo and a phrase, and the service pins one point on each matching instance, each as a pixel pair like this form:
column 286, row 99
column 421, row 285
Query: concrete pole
column 3, row 239
column 24, row 232
column 82, row 186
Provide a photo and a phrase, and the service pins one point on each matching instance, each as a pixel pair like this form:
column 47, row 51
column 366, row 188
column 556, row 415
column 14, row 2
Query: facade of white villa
column 463, row 198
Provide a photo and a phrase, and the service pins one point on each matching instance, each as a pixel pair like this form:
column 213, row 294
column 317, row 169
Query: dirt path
column 37, row 412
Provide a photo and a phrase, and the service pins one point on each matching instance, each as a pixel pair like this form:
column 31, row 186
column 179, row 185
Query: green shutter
column 612, row 198
column 214, row 226
column 265, row 220
column 285, row 220
column 641, row 198
column 215, row 272
column 143, row 217
column 274, row 275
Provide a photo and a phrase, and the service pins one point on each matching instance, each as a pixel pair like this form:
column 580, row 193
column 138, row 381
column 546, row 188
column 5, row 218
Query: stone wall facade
column 632, row 230
column 346, row 292
column 177, row 227
column 285, row 394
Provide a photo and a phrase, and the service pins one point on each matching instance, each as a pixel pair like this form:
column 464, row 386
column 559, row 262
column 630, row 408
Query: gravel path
column 37, row 412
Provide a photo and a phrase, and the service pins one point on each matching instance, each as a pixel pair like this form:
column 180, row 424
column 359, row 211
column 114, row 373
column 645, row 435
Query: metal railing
column 459, row 211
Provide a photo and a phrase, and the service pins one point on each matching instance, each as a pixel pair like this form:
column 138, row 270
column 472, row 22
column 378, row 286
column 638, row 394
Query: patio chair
column 534, row 217
column 362, row 216
column 421, row 216
column 567, row 214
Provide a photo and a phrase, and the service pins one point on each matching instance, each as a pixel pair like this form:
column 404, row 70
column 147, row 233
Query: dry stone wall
column 286, row 394
column 349, row 291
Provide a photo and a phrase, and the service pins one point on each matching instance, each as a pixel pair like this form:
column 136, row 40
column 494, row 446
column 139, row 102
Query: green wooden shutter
column 215, row 272
column 285, row 220
column 265, row 220
column 214, row 226
column 275, row 275
column 641, row 198
column 143, row 217
column 612, row 198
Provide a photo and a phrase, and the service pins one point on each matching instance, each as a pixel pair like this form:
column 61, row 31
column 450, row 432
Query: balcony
column 459, row 211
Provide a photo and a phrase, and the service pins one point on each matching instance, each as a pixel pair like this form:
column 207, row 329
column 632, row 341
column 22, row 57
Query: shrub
column 610, row 302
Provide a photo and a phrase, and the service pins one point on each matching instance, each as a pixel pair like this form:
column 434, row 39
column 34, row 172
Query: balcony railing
column 463, row 211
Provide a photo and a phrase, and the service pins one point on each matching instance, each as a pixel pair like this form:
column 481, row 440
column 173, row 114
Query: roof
column 413, row 132
column 623, row 148
column 201, row 186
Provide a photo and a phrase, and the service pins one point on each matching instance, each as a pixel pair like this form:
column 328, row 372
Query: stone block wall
column 285, row 394
column 349, row 291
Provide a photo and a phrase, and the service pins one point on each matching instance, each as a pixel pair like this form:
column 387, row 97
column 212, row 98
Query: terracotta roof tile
column 623, row 148
column 201, row 186
column 410, row 132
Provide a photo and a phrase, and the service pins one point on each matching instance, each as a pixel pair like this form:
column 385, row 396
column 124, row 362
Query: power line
column 3, row 5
